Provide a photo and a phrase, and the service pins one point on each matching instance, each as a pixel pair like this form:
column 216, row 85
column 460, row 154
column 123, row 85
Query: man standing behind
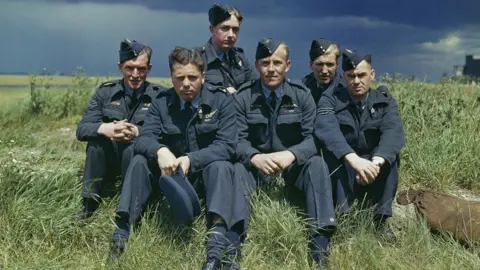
column 189, row 129
column 275, row 118
column 226, row 65
column 362, row 132
column 111, row 121
column 324, row 56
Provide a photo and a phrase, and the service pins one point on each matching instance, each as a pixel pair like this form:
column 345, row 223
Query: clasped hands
column 273, row 163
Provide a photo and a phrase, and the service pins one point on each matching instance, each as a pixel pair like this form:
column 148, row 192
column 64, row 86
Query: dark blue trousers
column 105, row 160
column 379, row 194
column 312, row 178
column 141, row 183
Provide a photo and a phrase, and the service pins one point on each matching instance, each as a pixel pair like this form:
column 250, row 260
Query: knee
column 128, row 154
column 220, row 167
column 98, row 147
column 318, row 165
column 138, row 161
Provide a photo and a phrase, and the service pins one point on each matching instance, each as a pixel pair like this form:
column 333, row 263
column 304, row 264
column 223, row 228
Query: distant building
column 472, row 66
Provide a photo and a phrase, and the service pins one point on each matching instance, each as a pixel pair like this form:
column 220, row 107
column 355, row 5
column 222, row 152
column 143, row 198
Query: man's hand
column 231, row 90
column 283, row 158
column 378, row 161
column 184, row 163
column 366, row 170
column 131, row 131
column 117, row 130
column 265, row 164
column 167, row 162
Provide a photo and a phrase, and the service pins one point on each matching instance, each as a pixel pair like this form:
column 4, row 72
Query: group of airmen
column 228, row 127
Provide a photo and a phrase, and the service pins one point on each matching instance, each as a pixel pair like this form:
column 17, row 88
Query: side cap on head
column 129, row 50
column 266, row 47
column 351, row 59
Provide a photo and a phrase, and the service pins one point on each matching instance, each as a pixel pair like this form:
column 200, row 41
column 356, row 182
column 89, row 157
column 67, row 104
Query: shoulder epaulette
column 238, row 49
column 214, row 88
column 245, row 85
column 108, row 83
column 383, row 89
column 160, row 87
column 298, row 83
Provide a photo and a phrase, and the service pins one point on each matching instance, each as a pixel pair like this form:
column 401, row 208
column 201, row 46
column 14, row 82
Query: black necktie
column 273, row 100
column 188, row 110
column 360, row 107
column 131, row 100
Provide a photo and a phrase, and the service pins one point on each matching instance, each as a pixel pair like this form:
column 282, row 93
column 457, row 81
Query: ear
column 203, row 77
column 287, row 65
column 311, row 65
column 149, row 67
column 120, row 66
column 372, row 74
column 211, row 29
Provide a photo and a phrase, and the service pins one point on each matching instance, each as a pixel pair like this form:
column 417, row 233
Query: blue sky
column 421, row 38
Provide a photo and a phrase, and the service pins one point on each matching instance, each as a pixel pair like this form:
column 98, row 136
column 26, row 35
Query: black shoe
column 386, row 233
column 89, row 206
column 383, row 230
column 118, row 247
column 211, row 264
column 230, row 262
column 321, row 260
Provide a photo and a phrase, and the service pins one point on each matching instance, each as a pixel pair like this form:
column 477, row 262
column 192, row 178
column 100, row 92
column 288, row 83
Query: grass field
column 40, row 183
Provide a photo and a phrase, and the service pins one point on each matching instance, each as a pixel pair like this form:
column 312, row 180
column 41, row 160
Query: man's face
column 135, row 71
column 324, row 68
column 225, row 34
column 187, row 80
column 272, row 69
column 359, row 80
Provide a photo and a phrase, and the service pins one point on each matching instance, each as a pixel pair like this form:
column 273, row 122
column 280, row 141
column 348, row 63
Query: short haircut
column 287, row 49
column 334, row 49
column 184, row 56
column 148, row 51
column 235, row 12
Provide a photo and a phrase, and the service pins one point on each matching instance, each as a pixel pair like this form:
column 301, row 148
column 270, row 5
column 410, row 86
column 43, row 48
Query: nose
column 230, row 33
column 186, row 83
column 135, row 72
column 270, row 68
column 356, row 80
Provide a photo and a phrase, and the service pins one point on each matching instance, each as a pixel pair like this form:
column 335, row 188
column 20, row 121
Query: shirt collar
column 220, row 54
column 194, row 102
column 267, row 92
column 129, row 91
column 362, row 102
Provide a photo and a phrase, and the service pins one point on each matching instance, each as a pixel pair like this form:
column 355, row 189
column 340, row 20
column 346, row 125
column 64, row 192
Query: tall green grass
column 40, row 161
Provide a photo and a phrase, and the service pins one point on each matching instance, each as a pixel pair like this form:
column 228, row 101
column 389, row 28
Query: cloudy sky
column 411, row 37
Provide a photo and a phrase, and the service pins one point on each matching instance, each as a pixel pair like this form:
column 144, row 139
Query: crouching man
column 362, row 133
column 275, row 118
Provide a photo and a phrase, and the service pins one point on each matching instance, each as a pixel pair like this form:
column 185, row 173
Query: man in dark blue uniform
column 324, row 56
column 275, row 118
column 225, row 64
column 191, row 128
column 362, row 133
column 111, row 121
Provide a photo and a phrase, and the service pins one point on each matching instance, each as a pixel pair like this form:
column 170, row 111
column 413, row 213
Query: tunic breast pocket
column 206, row 133
column 109, row 115
column 173, row 138
column 257, row 129
column 347, row 127
column 214, row 77
column 289, row 129
column 240, row 76
column 372, row 132
column 139, row 117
